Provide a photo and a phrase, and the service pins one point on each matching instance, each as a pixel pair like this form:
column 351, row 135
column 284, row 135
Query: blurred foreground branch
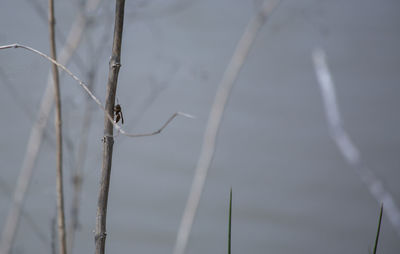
column 214, row 120
column 346, row 147
column 77, row 174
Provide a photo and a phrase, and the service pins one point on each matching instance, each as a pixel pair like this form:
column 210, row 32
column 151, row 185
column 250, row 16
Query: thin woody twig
column 159, row 130
column 214, row 120
column 58, row 64
column 96, row 100
column 68, row 43
column 58, row 124
column 109, row 123
column 41, row 12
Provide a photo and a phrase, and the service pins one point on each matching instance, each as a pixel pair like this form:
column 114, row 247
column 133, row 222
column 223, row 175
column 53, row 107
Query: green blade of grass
column 378, row 230
column 230, row 222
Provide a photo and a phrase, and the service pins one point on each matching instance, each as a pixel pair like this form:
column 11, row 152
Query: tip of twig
column 15, row 45
column 186, row 115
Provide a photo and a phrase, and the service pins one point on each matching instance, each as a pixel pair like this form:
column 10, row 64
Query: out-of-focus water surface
column 293, row 192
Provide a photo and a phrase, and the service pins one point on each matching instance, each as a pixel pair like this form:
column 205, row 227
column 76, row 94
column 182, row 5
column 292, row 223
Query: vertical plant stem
column 214, row 120
column 108, row 140
column 230, row 222
column 378, row 230
column 59, row 181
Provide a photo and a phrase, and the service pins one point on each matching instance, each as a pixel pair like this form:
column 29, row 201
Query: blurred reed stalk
column 58, row 122
column 347, row 148
column 78, row 166
column 77, row 175
column 108, row 139
column 214, row 120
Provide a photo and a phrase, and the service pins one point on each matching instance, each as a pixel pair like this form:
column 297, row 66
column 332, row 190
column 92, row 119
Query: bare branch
column 58, row 64
column 108, row 140
column 159, row 130
column 347, row 148
column 68, row 43
column 84, row 86
column 214, row 120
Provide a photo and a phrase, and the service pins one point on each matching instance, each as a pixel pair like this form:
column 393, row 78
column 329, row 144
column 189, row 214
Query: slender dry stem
column 108, row 140
column 214, row 120
column 59, row 178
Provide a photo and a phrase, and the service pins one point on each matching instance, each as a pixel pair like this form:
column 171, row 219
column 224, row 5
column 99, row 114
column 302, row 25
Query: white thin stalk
column 347, row 148
column 214, row 120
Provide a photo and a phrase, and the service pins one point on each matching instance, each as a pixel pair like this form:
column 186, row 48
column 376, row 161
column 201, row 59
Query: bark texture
column 108, row 140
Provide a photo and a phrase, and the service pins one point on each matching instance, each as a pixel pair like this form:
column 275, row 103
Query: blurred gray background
column 293, row 191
